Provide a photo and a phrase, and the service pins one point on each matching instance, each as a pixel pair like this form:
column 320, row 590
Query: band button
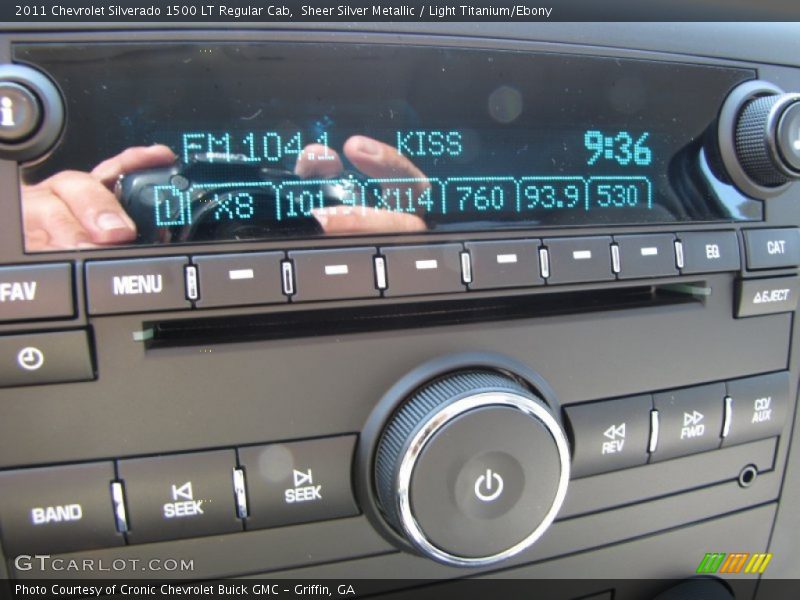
column 179, row 496
column 121, row 286
column 58, row 509
column 298, row 482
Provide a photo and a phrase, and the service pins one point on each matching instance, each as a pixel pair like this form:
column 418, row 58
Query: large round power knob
column 472, row 468
column 768, row 139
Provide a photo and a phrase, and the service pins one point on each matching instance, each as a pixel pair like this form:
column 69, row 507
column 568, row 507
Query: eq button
column 609, row 435
column 709, row 251
column 690, row 420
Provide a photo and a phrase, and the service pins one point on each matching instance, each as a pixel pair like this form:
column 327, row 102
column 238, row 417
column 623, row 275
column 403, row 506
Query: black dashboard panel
column 249, row 404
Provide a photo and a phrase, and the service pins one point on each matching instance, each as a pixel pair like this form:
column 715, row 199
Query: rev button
column 36, row 292
column 122, row 286
column 179, row 496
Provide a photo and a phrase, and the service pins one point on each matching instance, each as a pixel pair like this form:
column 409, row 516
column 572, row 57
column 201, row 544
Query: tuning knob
column 472, row 468
column 759, row 138
column 768, row 139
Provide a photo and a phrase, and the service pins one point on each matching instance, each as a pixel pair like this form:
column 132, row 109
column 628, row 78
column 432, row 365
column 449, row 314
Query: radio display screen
column 194, row 142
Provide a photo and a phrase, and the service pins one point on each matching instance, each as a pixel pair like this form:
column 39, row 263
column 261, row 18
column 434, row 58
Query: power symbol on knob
column 488, row 487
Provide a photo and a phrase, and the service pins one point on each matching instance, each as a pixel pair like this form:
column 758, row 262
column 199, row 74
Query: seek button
column 299, row 482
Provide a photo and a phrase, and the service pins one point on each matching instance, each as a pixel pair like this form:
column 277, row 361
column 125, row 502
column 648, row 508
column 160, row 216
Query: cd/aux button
column 758, row 407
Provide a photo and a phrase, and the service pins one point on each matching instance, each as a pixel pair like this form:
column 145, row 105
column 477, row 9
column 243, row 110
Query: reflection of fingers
column 49, row 224
column 317, row 160
column 366, row 220
column 94, row 206
column 381, row 161
column 133, row 159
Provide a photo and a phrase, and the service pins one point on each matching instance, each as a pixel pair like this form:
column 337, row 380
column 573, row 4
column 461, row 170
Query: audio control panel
column 548, row 316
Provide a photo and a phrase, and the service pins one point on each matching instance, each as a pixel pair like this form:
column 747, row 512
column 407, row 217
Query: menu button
column 121, row 286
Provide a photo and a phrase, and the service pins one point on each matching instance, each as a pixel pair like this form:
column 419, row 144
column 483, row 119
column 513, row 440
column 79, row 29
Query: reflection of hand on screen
column 73, row 209
column 376, row 160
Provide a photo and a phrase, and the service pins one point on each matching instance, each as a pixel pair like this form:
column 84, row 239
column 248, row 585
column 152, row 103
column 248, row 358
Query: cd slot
column 386, row 317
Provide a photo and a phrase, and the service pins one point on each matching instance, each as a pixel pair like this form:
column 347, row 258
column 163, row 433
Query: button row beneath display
column 615, row 434
column 351, row 273
column 168, row 497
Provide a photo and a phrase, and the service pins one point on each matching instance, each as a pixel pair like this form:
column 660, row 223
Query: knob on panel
column 759, row 138
column 471, row 468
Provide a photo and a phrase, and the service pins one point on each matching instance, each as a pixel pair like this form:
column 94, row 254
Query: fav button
column 36, row 292
column 180, row 495
column 57, row 509
column 757, row 408
column 772, row 248
column 37, row 358
column 298, row 482
column 690, row 420
column 121, row 286
column 609, row 435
